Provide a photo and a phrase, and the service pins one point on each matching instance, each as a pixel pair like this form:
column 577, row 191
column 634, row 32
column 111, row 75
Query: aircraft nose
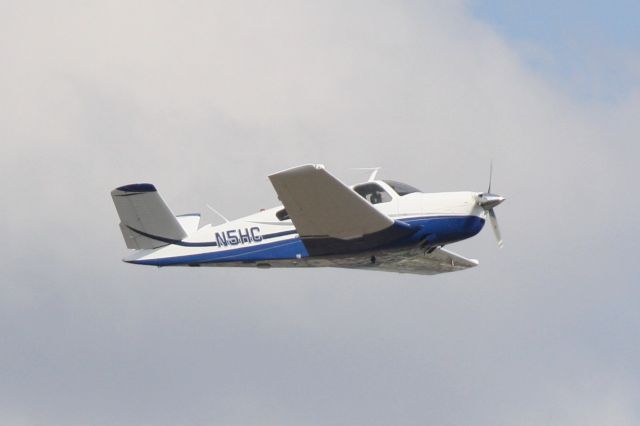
column 489, row 201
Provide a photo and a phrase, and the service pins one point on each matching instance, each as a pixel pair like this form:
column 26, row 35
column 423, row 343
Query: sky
column 587, row 49
column 205, row 99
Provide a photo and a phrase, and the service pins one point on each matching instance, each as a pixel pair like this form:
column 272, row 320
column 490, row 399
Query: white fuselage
column 264, row 239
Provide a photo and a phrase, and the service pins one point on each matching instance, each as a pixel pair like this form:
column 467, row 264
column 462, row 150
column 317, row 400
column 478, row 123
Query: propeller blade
column 494, row 224
column 490, row 176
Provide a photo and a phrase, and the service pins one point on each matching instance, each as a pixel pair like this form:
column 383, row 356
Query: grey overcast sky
column 205, row 99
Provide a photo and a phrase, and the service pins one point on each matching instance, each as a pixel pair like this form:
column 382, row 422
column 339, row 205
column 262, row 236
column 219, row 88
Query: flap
column 417, row 261
column 322, row 206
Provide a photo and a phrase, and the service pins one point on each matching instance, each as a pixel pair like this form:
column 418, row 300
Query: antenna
column 218, row 213
column 374, row 172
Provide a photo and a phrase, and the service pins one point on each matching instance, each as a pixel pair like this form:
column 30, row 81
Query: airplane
column 377, row 225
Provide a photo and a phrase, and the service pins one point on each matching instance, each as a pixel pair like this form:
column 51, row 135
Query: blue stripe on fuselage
column 435, row 230
column 288, row 249
column 439, row 230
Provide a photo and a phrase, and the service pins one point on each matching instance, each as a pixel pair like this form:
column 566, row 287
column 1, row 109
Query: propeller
column 488, row 201
column 494, row 224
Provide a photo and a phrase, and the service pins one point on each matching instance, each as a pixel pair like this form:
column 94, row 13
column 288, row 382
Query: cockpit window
column 373, row 193
column 401, row 188
column 282, row 214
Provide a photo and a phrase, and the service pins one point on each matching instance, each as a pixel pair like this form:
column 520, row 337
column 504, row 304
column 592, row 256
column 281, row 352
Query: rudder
column 145, row 219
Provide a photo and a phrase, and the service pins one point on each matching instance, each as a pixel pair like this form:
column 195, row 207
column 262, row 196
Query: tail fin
column 145, row 219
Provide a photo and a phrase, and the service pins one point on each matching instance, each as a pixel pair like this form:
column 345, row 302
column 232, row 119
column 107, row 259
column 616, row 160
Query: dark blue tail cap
column 137, row 187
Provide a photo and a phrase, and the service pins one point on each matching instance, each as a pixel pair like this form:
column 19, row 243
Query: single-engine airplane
column 378, row 225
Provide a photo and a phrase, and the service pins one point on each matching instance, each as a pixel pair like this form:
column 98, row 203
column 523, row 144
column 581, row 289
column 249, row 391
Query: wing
column 322, row 206
column 417, row 262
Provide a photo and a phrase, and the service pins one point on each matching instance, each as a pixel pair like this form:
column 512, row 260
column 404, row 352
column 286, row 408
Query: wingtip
column 137, row 187
column 297, row 169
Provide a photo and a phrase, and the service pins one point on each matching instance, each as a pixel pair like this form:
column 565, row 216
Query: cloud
column 205, row 99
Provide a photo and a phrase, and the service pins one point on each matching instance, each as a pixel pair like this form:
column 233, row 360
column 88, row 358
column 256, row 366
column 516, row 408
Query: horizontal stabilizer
column 189, row 222
column 144, row 215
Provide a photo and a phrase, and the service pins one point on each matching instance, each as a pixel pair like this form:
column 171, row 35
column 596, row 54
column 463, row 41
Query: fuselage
column 269, row 238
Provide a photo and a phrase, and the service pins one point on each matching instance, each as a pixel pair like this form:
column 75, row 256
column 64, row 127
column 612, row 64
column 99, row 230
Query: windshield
column 401, row 188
